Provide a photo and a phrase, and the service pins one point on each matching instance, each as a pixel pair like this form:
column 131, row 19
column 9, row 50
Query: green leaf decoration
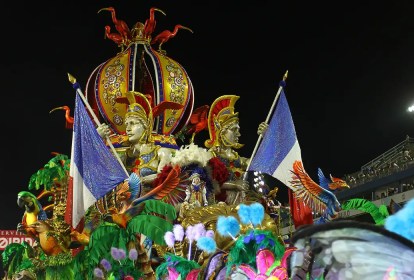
column 15, row 257
column 151, row 226
column 57, row 169
column 245, row 253
column 182, row 265
column 11, row 252
column 103, row 238
column 383, row 209
column 160, row 208
column 61, row 272
column 378, row 214
column 81, row 266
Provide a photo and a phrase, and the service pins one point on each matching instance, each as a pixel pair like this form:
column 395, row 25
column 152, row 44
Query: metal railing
column 391, row 155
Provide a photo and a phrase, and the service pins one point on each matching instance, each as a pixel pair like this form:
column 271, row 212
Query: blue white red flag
column 279, row 148
column 276, row 154
column 94, row 170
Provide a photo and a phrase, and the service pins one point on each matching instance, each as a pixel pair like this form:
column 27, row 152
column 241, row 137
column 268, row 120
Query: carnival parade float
column 138, row 199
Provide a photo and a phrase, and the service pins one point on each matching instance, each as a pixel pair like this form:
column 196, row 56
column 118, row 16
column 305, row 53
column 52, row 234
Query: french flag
column 276, row 154
column 279, row 148
column 94, row 170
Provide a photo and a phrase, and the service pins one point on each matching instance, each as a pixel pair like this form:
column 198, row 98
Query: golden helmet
column 220, row 115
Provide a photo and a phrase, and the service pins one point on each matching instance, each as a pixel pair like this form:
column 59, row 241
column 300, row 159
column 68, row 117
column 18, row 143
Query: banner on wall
column 12, row 236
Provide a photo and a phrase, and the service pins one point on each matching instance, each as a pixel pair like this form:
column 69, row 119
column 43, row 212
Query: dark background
column 351, row 66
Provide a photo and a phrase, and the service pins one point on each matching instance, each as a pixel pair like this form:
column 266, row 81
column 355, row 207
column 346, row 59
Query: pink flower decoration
column 264, row 260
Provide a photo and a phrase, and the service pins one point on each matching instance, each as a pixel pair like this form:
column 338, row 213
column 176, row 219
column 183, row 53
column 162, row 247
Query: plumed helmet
column 138, row 105
column 221, row 114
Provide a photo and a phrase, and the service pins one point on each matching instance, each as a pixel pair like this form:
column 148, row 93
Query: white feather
column 191, row 153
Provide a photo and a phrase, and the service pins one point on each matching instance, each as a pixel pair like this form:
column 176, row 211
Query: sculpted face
column 135, row 128
column 196, row 181
column 230, row 135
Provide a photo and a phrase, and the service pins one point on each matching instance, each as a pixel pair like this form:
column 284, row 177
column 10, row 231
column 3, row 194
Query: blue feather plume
column 402, row 222
column 207, row 244
column 228, row 226
column 256, row 213
column 244, row 213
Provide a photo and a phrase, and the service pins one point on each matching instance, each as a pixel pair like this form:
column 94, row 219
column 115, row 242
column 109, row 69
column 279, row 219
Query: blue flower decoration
column 259, row 238
column 249, row 237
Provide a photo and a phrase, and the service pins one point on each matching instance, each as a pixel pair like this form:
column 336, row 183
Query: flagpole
column 76, row 86
column 281, row 85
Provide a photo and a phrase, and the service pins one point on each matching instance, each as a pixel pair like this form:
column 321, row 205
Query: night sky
column 351, row 73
